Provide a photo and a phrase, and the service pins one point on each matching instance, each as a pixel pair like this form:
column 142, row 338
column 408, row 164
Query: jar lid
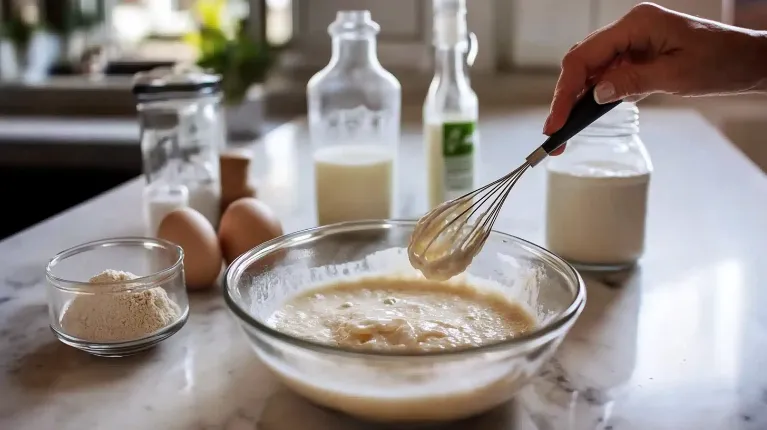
column 178, row 79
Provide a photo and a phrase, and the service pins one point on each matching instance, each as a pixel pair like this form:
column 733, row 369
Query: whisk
column 446, row 239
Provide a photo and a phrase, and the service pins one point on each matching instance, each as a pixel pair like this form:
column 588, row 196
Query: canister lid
column 178, row 79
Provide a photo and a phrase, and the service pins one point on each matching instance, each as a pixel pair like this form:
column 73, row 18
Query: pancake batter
column 408, row 315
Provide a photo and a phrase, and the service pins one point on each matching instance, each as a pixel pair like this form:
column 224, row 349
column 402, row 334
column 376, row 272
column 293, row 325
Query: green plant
column 228, row 50
column 239, row 60
column 19, row 32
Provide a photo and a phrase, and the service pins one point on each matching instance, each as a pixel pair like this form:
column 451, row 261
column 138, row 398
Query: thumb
column 632, row 81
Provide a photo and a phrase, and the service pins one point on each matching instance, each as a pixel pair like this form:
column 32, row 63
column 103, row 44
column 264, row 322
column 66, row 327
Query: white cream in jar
column 596, row 213
column 597, row 194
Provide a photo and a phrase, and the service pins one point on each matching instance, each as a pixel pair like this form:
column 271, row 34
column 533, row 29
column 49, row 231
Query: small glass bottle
column 182, row 133
column 354, row 121
column 451, row 109
column 597, row 193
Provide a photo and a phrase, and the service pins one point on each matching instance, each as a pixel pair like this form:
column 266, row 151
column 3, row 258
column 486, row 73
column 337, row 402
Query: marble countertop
column 674, row 345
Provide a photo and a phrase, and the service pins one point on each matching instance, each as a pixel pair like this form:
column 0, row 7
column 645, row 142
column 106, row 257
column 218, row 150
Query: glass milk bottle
column 450, row 110
column 597, row 194
column 354, row 120
column 181, row 134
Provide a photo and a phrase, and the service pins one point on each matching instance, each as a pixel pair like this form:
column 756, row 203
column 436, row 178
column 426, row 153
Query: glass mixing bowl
column 396, row 386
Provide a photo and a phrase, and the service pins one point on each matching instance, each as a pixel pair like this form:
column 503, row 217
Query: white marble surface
column 675, row 345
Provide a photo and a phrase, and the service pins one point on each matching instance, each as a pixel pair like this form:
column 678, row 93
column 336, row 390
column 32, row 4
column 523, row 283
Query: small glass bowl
column 158, row 263
column 391, row 386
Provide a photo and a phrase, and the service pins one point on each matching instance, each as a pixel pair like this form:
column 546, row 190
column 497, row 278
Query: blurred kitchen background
column 67, row 116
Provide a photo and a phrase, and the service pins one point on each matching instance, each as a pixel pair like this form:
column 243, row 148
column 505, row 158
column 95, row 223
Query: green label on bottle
column 458, row 138
column 458, row 151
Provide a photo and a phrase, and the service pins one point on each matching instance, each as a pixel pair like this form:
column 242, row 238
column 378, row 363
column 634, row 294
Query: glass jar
column 182, row 131
column 354, row 121
column 93, row 316
column 597, row 194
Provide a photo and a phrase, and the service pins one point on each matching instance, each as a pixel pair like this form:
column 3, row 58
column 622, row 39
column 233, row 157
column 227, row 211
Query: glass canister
column 354, row 122
column 597, row 193
column 182, row 131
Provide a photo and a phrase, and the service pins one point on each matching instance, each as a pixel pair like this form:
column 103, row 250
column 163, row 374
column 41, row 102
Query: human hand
column 656, row 50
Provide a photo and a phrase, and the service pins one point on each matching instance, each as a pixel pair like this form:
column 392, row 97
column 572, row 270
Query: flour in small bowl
column 118, row 316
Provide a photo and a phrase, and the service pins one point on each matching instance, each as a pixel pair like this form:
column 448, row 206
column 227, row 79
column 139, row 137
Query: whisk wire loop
column 464, row 223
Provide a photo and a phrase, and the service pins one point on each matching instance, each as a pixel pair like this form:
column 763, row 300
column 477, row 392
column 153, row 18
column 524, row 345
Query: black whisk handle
column 585, row 112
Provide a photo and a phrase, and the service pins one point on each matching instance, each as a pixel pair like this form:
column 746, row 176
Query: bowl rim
column 532, row 339
column 140, row 283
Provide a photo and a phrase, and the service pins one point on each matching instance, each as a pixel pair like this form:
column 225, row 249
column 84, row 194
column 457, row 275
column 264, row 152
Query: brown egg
column 193, row 232
column 247, row 223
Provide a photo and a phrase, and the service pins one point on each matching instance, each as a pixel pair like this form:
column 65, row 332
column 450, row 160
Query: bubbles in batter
column 407, row 315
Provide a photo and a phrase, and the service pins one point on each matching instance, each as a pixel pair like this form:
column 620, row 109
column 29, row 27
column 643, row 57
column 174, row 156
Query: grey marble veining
column 676, row 344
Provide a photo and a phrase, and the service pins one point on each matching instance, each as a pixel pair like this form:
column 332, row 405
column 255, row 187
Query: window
column 511, row 33
column 134, row 20
column 279, row 21
column 152, row 29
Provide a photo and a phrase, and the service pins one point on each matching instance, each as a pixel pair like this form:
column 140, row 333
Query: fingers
column 569, row 87
column 625, row 81
column 593, row 56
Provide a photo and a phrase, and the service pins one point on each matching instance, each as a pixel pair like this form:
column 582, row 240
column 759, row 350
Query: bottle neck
column 450, row 64
column 354, row 51
column 450, row 41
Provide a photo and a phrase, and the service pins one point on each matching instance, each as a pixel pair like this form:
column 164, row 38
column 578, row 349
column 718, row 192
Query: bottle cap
column 450, row 27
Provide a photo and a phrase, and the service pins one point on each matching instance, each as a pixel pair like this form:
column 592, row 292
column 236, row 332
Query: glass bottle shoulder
column 450, row 101
column 333, row 79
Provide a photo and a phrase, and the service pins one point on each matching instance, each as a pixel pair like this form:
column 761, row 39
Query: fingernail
column 604, row 92
column 546, row 124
